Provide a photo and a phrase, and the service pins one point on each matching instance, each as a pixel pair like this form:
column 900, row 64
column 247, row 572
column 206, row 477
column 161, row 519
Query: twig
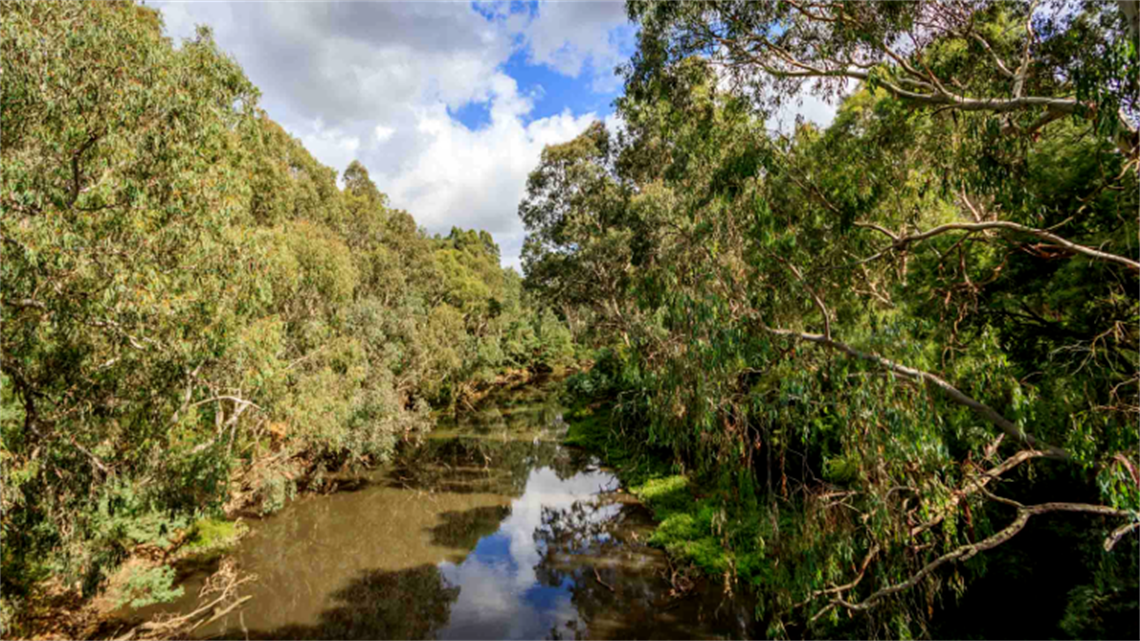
column 604, row 584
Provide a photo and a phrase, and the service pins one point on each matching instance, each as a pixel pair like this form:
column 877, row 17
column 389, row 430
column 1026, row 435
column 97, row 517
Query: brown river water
column 491, row 529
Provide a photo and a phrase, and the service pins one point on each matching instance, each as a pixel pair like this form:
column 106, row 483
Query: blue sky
column 554, row 93
column 447, row 104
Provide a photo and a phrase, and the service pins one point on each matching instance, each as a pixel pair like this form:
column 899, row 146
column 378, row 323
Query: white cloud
column 477, row 178
column 573, row 36
column 383, row 133
column 377, row 82
column 807, row 106
column 331, row 146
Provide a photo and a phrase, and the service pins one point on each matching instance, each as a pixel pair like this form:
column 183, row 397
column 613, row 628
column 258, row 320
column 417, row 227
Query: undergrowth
column 702, row 520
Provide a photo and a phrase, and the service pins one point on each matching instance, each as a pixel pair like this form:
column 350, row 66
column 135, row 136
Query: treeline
column 887, row 347
column 194, row 312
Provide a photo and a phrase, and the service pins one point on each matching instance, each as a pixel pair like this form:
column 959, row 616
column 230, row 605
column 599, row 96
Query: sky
column 447, row 104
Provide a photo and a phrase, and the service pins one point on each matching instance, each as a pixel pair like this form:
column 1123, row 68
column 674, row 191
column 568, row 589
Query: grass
column 695, row 522
column 211, row 538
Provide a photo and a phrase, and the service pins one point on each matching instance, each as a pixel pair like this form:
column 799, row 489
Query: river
column 489, row 529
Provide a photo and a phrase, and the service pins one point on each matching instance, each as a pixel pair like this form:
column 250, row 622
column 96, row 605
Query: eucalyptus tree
column 194, row 312
column 579, row 248
column 907, row 330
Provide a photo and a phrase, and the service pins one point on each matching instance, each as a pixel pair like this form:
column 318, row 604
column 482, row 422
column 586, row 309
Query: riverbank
column 155, row 566
column 491, row 501
column 151, row 572
column 490, row 528
column 696, row 525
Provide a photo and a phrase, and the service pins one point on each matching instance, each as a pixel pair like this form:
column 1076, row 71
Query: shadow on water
column 463, row 530
column 406, row 604
column 490, row 529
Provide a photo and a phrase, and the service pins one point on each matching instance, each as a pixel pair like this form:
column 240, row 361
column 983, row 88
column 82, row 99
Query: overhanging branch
column 901, row 242
column 965, row 552
column 985, row 411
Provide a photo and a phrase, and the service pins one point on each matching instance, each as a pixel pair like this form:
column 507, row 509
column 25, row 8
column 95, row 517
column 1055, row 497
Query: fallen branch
column 172, row 627
column 223, row 583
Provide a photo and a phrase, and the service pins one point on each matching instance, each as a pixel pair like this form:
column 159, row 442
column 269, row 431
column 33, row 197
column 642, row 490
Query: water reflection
column 491, row 529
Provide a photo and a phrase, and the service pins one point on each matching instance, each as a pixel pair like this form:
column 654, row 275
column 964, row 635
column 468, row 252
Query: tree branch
column 76, row 157
column 1023, row 70
column 814, row 296
column 965, row 552
column 985, row 411
column 26, row 303
column 986, row 45
column 1118, row 534
column 902, row 241
column 975, row 484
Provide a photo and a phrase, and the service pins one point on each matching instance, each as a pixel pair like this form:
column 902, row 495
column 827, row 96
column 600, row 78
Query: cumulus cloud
column 344, row 62
column 383, row 133
column 476, row 178
column 573, row 36
column 380, row 83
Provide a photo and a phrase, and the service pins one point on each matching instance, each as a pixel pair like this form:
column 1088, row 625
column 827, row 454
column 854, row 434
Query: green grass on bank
column 211, row 536
column 702, row 521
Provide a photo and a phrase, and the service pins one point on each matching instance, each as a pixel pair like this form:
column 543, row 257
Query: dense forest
column 194, row 311
column 899, row 355
column 891, row 345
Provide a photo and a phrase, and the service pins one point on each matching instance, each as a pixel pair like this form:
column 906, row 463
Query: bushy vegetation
column 194, row 309
column 867, row 369
column 890, row 353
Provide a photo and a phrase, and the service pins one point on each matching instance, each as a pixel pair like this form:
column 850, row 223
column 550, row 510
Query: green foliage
column 665, row 495
column 838, row 330
column 189, row 298
column 212, row 534
column 147, row 586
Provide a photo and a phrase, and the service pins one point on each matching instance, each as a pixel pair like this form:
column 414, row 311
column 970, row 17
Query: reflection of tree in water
column 575, row 542
column 531, row 418
column 525, row 409
column 616, row 583
column 583, row 528
column 406, row 604
column 486, row 465
column 462, row 530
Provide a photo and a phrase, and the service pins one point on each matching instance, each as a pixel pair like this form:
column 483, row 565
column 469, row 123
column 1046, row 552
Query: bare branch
column 997, row 59
column 95, row 460
column 26, row 303
column 76, row 172
column 240, row 406
column 1023, row 70
column 965, row 552
column 975, row 484
column 903, row 241
column 940, row 97
column 1118, row 534
column 879, row 228
column 189, row 392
